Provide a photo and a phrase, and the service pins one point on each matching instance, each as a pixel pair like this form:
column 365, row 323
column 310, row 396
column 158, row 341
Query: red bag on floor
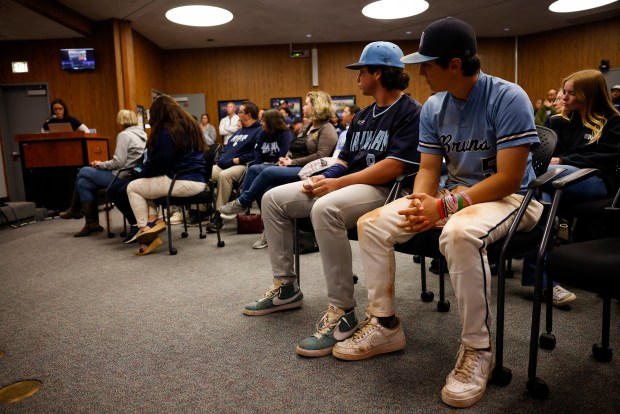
column 249, row 223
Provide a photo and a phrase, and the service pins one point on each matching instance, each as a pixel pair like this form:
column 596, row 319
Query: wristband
column 466, row 197
column 440, row 207
column 335, row 171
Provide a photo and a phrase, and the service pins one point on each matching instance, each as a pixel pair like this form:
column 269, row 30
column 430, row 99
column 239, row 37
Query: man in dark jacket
column 239, row 151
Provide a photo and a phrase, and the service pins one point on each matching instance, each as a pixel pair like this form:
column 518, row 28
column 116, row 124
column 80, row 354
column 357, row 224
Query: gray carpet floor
column 109, row 332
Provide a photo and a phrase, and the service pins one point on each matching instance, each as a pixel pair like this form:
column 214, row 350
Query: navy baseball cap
column 445, row 38
column 379, row 54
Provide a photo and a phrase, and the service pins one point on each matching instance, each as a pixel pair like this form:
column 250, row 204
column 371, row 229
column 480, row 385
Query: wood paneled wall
column 545, row 59
column 90, row 95
column 148, row 58
column 263, row 72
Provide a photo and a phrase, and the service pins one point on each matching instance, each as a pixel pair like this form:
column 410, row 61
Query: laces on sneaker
column 364, row 328
column 328, row 321
column 274, row 288
column 466, row 365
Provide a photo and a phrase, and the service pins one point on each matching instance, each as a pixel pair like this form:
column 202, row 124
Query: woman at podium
column 60, row 115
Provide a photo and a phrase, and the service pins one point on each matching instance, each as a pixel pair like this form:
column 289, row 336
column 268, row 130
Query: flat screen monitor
column 78, row 59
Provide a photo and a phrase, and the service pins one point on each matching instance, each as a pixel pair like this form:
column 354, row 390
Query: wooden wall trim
column 61, row 14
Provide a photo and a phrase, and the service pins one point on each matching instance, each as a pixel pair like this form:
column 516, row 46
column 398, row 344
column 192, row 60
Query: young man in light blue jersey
column 483, row 127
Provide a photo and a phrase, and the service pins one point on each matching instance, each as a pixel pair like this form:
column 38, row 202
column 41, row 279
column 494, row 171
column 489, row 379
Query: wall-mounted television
column 78, row 59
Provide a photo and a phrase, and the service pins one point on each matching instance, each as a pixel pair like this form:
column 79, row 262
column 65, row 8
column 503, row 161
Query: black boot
column 75, row 209
column 91, row 215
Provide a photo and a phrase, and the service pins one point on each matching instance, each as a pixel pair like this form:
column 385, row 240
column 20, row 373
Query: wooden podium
column 50, row 163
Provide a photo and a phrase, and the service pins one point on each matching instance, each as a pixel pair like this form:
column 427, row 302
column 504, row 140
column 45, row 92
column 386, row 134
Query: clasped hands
column 318, row 186
column 421, row 215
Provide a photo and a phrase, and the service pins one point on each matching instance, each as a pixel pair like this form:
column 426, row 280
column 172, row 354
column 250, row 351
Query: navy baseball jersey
column 378, row 133
column 496, row 115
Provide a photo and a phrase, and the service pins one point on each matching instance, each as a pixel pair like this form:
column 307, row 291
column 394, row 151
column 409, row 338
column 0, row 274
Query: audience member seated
column 335, row 121
column 588, row 131
column 318, row 141
column 239, row 151
column 615, row 96
column 230, row 123
column 130, row 145
column 208, row 130
column 348, row 113
column 176, row 143
column 380, row 145
column 547, row 109
column 60, row 115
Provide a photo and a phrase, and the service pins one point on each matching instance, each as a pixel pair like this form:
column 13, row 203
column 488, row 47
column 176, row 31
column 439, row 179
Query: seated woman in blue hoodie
column 176, row 143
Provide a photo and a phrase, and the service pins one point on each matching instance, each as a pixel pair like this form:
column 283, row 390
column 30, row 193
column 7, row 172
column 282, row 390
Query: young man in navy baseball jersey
column 483, row 127
column 381, row 144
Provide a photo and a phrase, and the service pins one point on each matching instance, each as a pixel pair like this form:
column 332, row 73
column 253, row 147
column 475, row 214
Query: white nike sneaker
column 466, row 384
column 371, row 339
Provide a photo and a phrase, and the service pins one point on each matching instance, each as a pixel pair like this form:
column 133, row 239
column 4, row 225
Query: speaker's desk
column 50, row 163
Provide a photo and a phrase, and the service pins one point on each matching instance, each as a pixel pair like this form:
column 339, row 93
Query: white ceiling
column 264, row 22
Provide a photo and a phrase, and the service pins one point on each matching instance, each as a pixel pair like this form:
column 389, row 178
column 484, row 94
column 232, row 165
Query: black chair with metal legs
column 206, row 197
column 592, row 265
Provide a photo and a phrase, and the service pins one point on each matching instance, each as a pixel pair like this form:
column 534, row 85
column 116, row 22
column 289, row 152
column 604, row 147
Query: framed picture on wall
column 294, row 104
column 221, row 106
column 340, row 102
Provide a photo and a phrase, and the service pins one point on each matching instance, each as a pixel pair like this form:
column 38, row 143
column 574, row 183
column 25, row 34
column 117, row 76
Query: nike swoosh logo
column 277, row 301
column 340, row 335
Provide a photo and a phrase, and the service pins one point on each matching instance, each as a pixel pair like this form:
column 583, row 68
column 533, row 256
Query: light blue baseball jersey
column 497, row 115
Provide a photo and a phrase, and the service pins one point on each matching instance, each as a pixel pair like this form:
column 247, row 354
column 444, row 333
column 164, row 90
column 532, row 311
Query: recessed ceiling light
column 394, row 9
column 200, row 16
column 408, row 33
column 567, row 6
column 309, row 35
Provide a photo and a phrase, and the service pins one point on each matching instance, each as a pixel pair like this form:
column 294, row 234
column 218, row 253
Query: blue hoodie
column 240, row 145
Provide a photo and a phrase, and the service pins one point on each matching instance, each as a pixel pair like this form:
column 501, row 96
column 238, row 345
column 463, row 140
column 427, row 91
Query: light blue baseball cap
column 379, row 54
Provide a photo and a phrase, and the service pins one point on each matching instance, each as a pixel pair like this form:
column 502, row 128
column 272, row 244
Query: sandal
column 152, row 246
column 147, row 236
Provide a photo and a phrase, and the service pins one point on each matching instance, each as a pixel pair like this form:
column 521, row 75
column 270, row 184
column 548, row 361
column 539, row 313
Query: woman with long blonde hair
column 588, row 130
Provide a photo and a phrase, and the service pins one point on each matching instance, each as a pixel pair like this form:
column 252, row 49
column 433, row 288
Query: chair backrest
column 541, row 156
column 210, row 157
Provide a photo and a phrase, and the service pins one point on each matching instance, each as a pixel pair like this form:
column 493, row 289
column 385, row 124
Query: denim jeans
column 263, row 177
column 89, row 180
column 593, row 188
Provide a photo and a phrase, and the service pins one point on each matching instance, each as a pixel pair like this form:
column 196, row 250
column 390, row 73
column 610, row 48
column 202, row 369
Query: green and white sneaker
column 278, row 297
column 334, row 326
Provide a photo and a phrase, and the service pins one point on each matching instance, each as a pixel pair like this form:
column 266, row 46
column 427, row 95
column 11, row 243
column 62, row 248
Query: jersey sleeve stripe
column 515, row 136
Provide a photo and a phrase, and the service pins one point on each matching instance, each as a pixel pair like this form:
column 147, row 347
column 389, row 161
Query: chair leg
column 602, row 352
column 536, row 386
column 171, row 249
column 501, row 375
column 296, row 242
column 108, row 221
column 443, row 305
column 426, row 295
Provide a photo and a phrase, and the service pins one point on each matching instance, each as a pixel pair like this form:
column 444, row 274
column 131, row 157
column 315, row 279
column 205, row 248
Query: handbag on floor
column 249, row 223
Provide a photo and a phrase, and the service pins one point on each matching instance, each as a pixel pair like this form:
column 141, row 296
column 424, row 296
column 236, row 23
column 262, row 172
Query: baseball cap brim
column 417, row 58
column 356, row 65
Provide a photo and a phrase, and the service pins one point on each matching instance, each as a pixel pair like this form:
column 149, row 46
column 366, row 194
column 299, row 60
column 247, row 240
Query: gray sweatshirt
column 130, row 145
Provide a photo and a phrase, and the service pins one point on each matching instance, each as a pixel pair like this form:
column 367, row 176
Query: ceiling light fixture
column 394, row 9
column 200, row 16
column 567, row 6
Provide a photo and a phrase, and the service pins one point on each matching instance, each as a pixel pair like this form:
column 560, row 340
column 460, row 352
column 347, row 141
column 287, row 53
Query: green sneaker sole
column 258, row 312
column 313, row 353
